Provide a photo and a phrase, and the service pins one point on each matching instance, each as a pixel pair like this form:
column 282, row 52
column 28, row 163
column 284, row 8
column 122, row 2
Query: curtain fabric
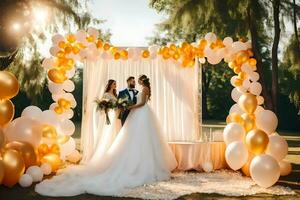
column 174, row 97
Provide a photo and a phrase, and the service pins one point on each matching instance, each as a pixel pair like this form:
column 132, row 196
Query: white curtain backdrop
column 174, row 97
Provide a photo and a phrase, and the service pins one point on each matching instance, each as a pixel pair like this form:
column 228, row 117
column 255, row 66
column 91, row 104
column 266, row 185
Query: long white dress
column 139, row 155
column 107, row 134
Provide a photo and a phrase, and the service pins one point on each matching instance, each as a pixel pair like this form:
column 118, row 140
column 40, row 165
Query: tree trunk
column 257, row 55
column 276, row 11
column 204, row 93
column 295, row 20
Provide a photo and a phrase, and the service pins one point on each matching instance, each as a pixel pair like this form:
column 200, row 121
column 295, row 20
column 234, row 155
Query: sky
column 129, row 21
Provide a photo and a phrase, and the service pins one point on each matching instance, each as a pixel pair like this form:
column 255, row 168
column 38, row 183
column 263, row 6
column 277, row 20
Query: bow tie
column 131, row 90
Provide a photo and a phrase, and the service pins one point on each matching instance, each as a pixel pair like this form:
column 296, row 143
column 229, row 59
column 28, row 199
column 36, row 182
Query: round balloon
column 248, row 103
column 25, row 180
column 36, row 173
column 267, row 121
column 9, row 85
column 2, row 172
column 233, row 132
column 236, row 155
column 26, row 150
column 14, row 167
column 257, row 141
column 285, row 168
column 264, row 170
column 277, row 147
column 7, row 111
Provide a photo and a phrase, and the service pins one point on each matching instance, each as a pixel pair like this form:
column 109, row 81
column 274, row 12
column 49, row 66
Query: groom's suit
column 131, row 95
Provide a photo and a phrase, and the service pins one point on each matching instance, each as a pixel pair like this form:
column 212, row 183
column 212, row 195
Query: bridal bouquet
column 105, row 105
column 123, row 103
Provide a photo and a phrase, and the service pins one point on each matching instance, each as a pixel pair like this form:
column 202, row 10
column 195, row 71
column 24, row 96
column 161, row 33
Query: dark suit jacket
column 124, row 94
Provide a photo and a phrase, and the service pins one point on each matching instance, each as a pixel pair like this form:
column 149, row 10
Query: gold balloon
column 124, row 54
column 55, row 149
column 57, row 76
column 249, row 121
column 71, row 38
column 252, row 61
column 248, row 103
column 14, row 167
column 2, row 139
column 26, row 150
column 257, row 141
column 49, row 132
column 246, row 167
column 64, row 103
column 117, row 56
column 58, row 110
column 63, row 139
column 9, row 85
column 7, row 111
column 145, row 54
column 106, row 46
column 99, row 44
column 234, row 117
column 52, row 159
column 43, row 149
column 2, row 172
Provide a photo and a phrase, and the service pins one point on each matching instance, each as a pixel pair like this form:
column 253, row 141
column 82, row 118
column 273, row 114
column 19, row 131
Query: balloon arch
column 43, row 138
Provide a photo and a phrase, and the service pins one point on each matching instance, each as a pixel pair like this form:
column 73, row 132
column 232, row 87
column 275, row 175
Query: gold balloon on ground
column 257, row 141
column 26, row 150
column 14, row 167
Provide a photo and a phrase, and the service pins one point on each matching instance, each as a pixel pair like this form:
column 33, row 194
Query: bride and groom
column 126, row 157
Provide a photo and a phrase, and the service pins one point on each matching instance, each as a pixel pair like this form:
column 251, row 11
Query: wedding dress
column 139, row 155
column 108, row 133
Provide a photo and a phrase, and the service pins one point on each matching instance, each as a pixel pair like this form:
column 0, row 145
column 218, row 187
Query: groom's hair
column 130, row 78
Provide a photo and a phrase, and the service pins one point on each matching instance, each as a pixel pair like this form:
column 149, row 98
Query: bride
column 138, row 155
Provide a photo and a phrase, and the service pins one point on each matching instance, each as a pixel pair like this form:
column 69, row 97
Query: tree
column 19, row 48
column 234, row 18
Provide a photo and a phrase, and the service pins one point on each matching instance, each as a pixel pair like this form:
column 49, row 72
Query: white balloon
column 202, row 60
column 241, row 89
column 267, row 121
column 67, row 148
column 228, row 41
column 264, row 170
column 81, row 36
column 260, row 100
column 207, row 166
column 210, row 37
column 48, row 63
column 277, row 147
column 32, row 112
column 94, row 32
column 246, row 84
column 69, row 86
column 131, row 52
column 49, row 117
column 235, row 94
column 232, row 80
column 233, row 132
column 46, row 168
column 255, row 88
column 258, row 109
column 236, row 155
column 153, row 49
column 238, row 46
column 74, row 157
column 36, row 173
column 235, row 108
column 285, row 168
column 71, row 73
column 254, row 76
column 247, row 68
column 57, row 38
column 54, row 50
column 67, row 127
column 25, row 180
column 55, row 88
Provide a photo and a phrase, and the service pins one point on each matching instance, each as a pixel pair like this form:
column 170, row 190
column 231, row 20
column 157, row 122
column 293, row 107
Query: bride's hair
column 108, row 87
column 146, row 82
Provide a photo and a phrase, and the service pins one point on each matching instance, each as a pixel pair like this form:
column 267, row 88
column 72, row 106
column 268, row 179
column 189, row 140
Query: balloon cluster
column 252, row 143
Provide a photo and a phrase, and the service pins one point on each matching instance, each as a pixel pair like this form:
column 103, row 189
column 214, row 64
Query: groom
column 130, row 92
